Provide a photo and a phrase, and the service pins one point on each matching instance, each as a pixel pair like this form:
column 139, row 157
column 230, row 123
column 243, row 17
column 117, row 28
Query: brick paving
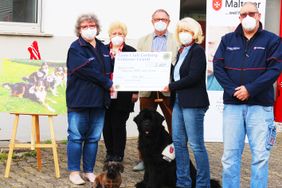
column 24, row 173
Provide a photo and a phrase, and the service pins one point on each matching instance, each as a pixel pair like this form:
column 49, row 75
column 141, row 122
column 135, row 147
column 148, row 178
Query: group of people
column 246, row 64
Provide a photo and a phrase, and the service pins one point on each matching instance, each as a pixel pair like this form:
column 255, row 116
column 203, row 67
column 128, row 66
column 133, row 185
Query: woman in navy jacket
column 190, row 103
column 122, row 103
column 87, row 95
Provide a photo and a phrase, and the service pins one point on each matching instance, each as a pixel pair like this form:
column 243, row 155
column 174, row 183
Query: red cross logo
column 216, row 4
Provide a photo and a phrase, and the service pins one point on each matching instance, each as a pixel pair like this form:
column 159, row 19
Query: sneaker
column 89, row 177
column 139, row 166
column 76, row 179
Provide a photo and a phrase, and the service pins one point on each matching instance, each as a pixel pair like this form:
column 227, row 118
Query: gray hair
column 160, row 10
column 87, row 17
column 250, row 3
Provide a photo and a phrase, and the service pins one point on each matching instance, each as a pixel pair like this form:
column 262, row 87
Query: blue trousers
column 238, row 121
column 84, row 132
column 188, row 127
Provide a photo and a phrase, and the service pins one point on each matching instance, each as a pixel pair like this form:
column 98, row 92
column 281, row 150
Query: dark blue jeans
column 84, row 132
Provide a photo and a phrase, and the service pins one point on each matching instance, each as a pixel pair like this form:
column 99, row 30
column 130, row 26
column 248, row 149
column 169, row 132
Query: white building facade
column 51, row 24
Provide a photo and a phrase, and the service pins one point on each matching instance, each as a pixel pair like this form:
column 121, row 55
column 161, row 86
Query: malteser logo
column 216, row 4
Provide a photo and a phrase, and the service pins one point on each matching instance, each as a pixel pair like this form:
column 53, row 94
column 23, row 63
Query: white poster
column 141, row 71
column 222, row 18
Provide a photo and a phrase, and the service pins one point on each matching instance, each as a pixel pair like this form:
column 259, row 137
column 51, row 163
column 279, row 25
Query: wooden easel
column 160, row 101
column 35, row 141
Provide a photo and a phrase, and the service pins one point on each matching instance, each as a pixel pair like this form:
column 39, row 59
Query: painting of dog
column 110, row 177
column 32, row 86
column 35, row 92
column 40, row 74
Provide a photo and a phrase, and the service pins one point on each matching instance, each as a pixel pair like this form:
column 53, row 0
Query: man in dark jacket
column 246, row 64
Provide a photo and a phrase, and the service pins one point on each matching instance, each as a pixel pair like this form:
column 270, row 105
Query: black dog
column 152, row 140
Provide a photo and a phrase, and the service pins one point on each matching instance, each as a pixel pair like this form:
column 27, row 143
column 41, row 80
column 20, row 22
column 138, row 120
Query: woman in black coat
column 190, row 103
column 122, row 103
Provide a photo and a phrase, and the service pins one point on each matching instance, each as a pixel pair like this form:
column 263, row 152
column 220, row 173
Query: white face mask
column 249, row 23
column 89, row 34
column 117, row 40
column 160, row 26
column 185, row 38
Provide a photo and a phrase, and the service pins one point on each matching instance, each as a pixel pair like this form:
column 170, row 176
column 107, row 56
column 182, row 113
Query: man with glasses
column 160, row 40
column 246, row 64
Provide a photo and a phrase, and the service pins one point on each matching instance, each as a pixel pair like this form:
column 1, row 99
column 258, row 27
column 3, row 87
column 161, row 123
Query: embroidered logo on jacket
column 259, row 48
column 232, row 48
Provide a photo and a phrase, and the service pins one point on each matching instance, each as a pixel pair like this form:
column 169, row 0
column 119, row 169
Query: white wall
column 59, row 17
column 136, row 14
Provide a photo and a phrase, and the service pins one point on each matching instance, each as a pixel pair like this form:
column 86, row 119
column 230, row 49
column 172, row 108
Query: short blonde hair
column 117, row 25
column 87, row 17
column 191, row 25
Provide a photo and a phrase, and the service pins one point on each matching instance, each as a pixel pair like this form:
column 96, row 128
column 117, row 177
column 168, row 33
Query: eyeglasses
column 87, row 26
column 160, row 19
column 251, row 14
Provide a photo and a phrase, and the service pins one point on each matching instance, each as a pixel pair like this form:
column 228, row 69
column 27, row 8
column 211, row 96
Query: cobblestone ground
column 24, row 172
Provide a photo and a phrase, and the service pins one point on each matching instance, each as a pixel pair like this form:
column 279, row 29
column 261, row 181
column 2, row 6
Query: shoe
column 108, row 158
column 76, row 179
column 139, row 166
column 118, row 159
column 89, row 177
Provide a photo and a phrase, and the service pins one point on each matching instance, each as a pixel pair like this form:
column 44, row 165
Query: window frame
column 18, row 28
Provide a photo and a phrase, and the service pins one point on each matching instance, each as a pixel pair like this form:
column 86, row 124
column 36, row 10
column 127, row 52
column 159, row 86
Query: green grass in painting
column 13, row 72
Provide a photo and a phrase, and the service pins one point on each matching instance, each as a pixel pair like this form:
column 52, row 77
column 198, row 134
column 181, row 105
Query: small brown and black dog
column 110, row 177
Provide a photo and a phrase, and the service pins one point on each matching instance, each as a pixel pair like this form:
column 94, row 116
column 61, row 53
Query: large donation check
column 141, row 71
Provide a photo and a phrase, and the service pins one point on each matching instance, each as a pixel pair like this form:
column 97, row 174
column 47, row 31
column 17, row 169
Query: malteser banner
column 222, row 17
